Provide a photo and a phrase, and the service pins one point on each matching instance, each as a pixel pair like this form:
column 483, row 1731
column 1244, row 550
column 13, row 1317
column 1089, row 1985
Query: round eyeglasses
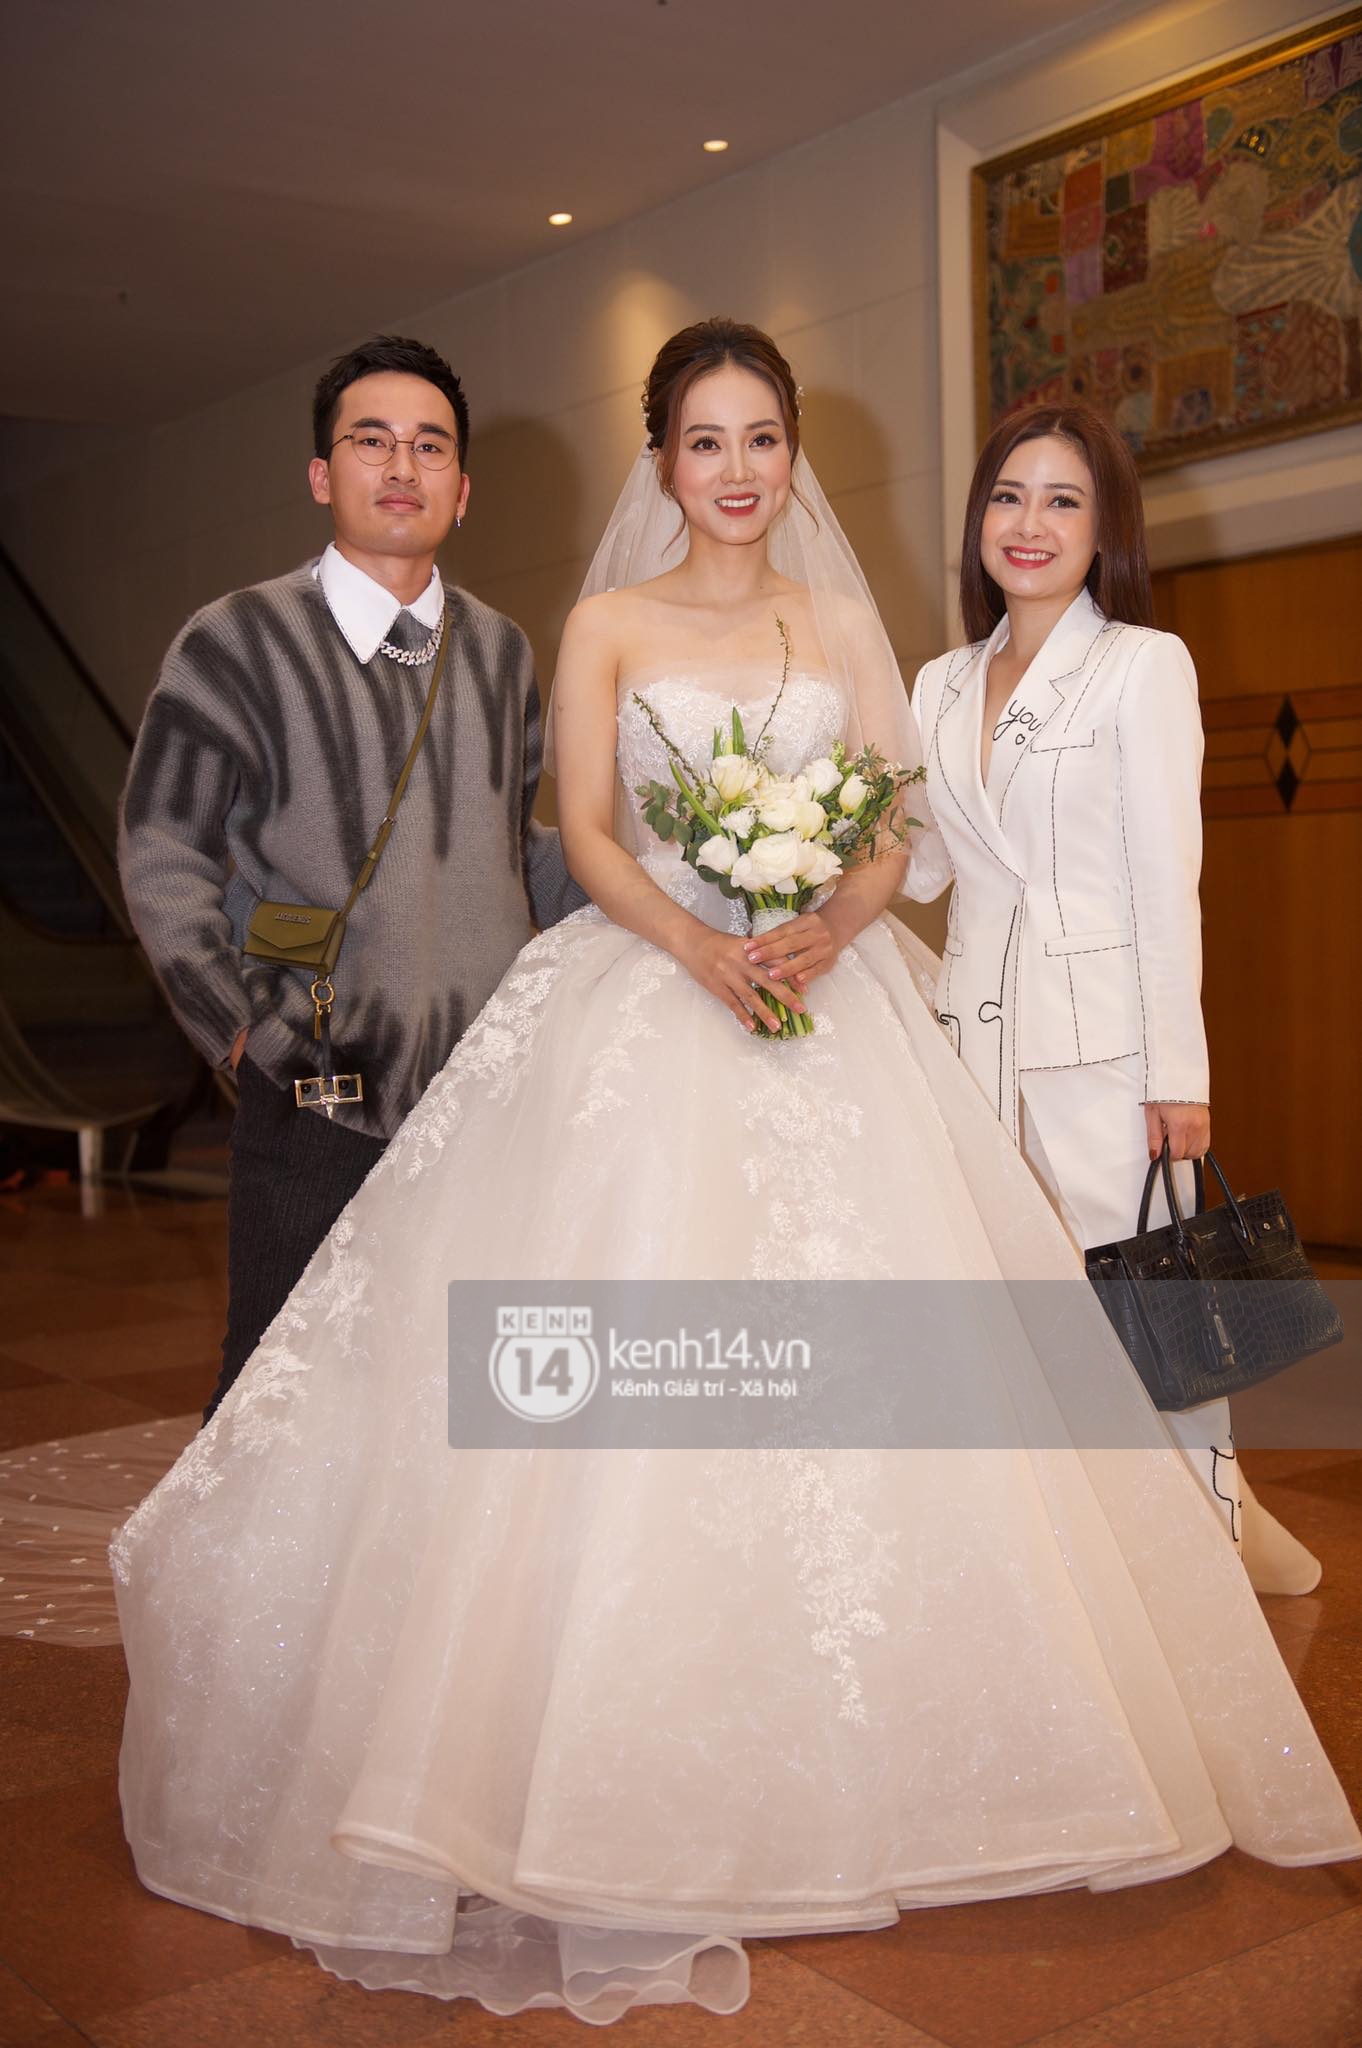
column 377, row 445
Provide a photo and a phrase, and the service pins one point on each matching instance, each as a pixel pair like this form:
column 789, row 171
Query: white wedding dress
column 560, row 1727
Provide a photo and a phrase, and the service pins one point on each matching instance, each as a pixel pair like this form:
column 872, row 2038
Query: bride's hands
column 720, row 964
column 796, row 952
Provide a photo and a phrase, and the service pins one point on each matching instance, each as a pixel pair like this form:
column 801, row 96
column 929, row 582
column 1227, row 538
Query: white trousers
column 1083, row 1136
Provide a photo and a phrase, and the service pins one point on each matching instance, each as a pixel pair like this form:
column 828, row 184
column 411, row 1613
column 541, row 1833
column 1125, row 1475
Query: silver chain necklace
column 414, row 657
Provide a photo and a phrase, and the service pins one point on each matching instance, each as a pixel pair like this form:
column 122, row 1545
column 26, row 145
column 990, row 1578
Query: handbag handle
column 1164, row 1165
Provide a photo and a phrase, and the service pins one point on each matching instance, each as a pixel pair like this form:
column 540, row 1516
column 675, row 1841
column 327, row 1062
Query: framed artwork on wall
column 1190, row 263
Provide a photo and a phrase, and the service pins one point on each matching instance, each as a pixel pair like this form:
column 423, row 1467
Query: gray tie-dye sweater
column 262, row 769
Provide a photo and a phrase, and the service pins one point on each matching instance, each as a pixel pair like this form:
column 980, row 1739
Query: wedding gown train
column 561, row 1727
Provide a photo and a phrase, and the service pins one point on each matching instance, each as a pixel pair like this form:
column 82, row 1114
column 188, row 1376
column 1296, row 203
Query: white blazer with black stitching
column 1074, row 934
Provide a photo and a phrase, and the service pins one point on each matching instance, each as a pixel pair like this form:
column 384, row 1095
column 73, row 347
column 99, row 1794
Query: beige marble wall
column 829, row 246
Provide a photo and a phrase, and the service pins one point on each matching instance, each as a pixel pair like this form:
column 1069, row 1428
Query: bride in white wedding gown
column 555, row 1727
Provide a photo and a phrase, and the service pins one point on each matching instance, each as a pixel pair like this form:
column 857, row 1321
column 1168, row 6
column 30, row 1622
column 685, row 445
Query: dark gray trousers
column 291, row 1172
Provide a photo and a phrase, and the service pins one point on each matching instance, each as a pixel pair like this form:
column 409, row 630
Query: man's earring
column 458, row 519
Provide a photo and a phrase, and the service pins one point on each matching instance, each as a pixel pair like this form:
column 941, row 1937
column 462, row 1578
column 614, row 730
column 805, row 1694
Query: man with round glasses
column 264, row 766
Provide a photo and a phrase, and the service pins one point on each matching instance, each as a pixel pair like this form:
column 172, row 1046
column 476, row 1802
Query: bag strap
column 1163, row 1164
column 384, row 832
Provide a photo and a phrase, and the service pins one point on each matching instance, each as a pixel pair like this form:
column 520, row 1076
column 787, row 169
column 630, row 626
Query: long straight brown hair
column 1118, row 581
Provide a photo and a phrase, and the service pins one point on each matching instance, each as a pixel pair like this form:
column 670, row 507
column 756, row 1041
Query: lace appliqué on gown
column 494, row 1051
column 613, row 1061
column 817, row 1228
column 332, row 1298
column 839, row 1561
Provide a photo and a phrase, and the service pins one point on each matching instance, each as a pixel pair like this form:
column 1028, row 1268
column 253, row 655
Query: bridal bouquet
column 775, row 840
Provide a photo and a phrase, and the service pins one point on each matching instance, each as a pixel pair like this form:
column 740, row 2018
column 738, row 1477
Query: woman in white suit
column 1063, row 751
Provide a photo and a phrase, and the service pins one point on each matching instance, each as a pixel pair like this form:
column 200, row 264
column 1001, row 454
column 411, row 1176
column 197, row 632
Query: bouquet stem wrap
column 793, row 1023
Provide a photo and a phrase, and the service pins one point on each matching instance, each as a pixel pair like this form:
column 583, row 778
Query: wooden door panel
column 1276, row 646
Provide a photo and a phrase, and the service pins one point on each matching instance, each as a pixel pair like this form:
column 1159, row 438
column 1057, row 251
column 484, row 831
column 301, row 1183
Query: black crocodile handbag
column 1212, row 1302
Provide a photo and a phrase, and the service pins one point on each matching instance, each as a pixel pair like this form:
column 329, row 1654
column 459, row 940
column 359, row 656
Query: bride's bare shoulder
column 608, row 611
column 612, row 624
column 598, row 625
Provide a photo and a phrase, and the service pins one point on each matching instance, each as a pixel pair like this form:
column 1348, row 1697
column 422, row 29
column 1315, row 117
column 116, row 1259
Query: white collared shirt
column 364, row 610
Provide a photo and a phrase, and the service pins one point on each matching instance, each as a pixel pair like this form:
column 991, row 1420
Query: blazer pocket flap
column 1089, row 942
column 1060, row 742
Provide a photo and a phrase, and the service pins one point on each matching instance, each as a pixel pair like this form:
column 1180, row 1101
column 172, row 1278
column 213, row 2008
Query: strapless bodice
column 689, row 703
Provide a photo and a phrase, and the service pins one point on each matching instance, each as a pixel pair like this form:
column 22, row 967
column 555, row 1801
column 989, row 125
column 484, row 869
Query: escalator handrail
column 50, row 626
column 30, row 1092
column 96, row 859
column 35, row 927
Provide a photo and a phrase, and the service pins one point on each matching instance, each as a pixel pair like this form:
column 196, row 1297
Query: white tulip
column 817, row 864
column 779, row 815
column 854, row 794
column 717, row 854
column 809, row 819
column 822, row 776
column 774, row 857
column 733, row 775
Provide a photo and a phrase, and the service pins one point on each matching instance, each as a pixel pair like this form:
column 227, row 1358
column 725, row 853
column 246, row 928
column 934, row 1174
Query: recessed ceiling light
column 560, row 220
column 715, row 147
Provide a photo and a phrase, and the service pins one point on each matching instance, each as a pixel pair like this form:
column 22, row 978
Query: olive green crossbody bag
column 305, row 935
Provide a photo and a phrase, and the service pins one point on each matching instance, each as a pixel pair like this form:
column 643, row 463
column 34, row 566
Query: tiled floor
column 114, row 1320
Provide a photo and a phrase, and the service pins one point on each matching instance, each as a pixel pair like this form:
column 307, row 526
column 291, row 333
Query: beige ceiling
column 199, row 193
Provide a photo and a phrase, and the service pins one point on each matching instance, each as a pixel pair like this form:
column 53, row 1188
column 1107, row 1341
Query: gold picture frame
column 1188, row 262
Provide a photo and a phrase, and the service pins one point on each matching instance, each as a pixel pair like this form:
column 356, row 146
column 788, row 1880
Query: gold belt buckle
column 328, row 1091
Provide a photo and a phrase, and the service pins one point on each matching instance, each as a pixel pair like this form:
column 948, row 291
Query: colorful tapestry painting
column 1196, row 272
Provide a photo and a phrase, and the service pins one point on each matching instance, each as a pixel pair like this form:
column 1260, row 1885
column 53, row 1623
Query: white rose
column 779, row 815
column 717, row 854
column 809, row 819
column 773, row 858
column 733, row 775
column 776, row 789
column 854, row 794
column 822, row 776
column 744, row 875
column 740, row 822
column 817, row 864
